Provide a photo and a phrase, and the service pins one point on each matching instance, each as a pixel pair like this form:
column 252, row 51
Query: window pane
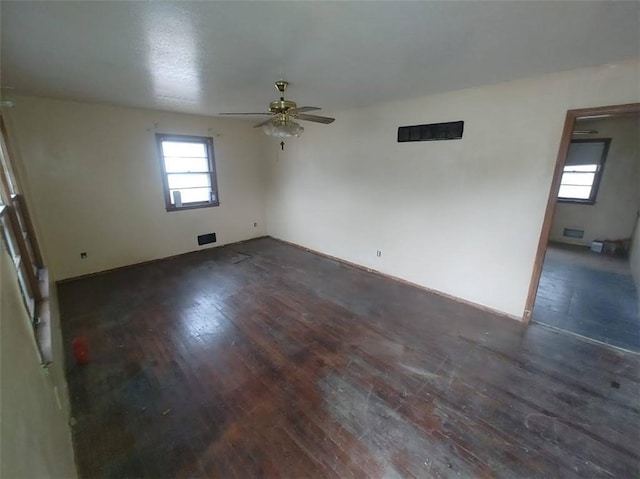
column 574, row 192
column 6, row 166
column 193, row 195
column 189, row 180
column 189, row 169
column 179, row 148
column 584, row 179
column 175, row 164
column 587, row 168
column 9, row 238
column 25, row 292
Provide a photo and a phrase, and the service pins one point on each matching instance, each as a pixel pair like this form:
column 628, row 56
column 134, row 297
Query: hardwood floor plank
column 288, row 364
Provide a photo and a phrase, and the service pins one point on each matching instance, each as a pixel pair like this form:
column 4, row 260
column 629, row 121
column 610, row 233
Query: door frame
column 569, row 125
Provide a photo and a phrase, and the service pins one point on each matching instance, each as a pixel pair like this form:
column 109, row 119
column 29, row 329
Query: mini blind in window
column 587, row 152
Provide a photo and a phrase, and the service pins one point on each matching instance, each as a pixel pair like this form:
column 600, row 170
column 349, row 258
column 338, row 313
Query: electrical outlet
column 379, row 253
column 83, row 255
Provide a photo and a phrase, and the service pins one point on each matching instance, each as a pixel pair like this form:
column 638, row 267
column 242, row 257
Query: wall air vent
column 435, row 131
column 206, row 239
column 571, row 233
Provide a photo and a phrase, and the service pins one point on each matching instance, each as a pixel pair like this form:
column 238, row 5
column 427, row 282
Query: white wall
column 614, row 214
column 461, row 217
column 35, row 439
column 93, row 180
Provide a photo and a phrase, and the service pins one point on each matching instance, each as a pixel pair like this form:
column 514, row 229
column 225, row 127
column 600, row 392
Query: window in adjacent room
column 188, row 171
column 583, row 171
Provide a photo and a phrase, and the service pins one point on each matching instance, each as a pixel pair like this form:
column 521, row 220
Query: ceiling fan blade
column 244, row 113
column 302, row 109
column 263, row 123
column 318, row 119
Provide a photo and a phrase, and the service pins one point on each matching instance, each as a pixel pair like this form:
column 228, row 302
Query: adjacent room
column 590, row 275
column 319, row 239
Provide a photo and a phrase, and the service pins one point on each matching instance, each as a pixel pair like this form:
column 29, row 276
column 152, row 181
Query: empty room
column 589, row 279
column 319, row 239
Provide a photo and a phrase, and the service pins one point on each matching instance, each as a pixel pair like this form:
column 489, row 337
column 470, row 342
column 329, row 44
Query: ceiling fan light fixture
column 287, row 129
column 282, row 113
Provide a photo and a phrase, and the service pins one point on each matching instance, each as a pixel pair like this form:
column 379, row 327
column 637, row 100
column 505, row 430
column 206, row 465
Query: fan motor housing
column 281, row 106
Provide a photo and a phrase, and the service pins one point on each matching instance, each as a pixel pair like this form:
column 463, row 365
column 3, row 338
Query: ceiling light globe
column 286, row 130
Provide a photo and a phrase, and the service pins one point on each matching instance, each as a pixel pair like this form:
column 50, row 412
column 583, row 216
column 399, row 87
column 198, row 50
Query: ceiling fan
column 282, row 114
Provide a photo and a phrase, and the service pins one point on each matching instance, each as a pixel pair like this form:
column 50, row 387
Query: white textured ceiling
column 210, row 57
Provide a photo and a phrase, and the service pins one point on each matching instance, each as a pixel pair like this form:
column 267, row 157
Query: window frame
column 208, row 142
column 595, row 186
column 19, row 238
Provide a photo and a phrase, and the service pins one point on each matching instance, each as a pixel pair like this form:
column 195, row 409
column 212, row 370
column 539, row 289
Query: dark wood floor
column 262, row 360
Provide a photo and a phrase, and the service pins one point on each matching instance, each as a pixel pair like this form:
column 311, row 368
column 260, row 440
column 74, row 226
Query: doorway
column 587, row 272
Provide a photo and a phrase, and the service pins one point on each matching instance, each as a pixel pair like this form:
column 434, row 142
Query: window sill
column 577, row 202
column 192, row 206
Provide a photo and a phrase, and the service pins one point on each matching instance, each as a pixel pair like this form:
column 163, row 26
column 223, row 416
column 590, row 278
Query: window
column 188, row 171
column 18, row 237
column 583, row 171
